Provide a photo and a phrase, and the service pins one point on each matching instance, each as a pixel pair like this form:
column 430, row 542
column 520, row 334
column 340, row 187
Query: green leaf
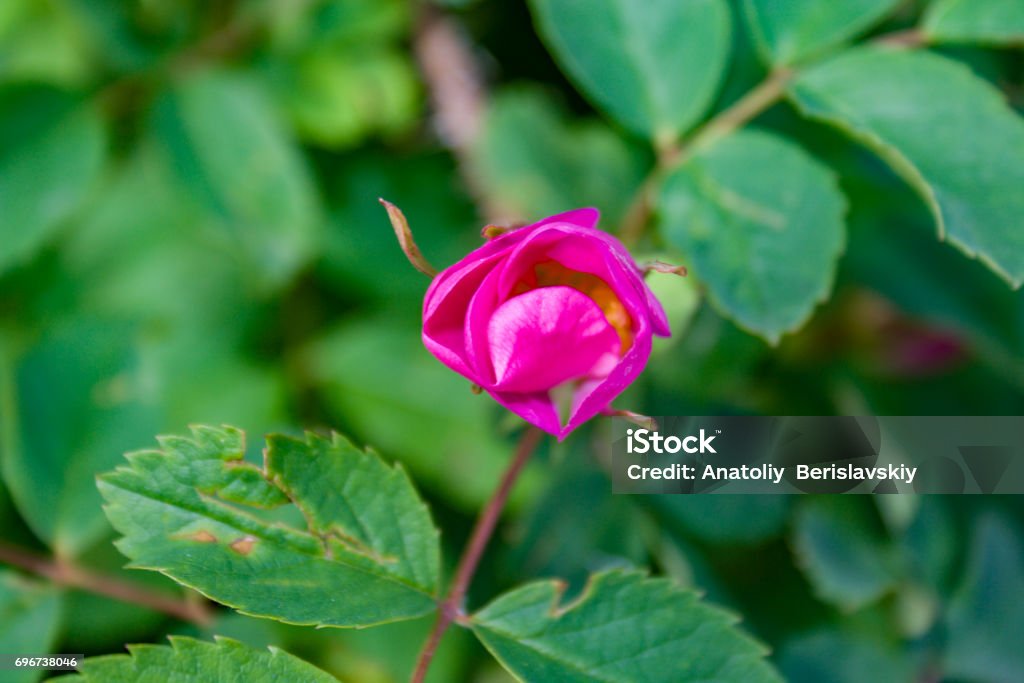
column 43, row 42
column 235, row 157
column 69, row 405
column 194, row 661
column 845, row 559
column 336, row 98
column 945, row 131
column 992, row 22
column 624, row 627
column 192, row 511
column 789, row 31
column 761, row 222
column 51, row 151
column 533, row 162
column 986, row 618
column 654, row 66
column 29, row 619
column 355, row 496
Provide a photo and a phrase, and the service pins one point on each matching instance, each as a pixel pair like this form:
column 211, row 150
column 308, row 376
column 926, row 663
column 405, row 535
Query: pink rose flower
column 557, row 306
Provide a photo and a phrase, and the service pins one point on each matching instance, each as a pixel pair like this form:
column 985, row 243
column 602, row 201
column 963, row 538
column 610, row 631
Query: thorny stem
column 450, row 608
column 458, row 96
column 67, row 574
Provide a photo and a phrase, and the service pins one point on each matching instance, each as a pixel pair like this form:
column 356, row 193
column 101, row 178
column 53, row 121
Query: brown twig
column 72, row 576
column 458, row 98
column 748, row 107
column 450, row 608
column 736, row 116
column 909, row 38
column 723, row 124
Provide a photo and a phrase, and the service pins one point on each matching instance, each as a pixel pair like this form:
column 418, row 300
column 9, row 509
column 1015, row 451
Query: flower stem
column 450, row 608
column 67, row 574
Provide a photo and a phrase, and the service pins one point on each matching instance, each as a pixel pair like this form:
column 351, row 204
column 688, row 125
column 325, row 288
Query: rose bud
column 554, row 308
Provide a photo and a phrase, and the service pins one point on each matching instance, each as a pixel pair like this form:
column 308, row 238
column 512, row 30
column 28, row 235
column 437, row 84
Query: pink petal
column 537, row 408
column 595, row 396
column 584, row 218
column 576, row 249
column 476, row 324
column 549, row 336
column 444, row 313
column 447, row 301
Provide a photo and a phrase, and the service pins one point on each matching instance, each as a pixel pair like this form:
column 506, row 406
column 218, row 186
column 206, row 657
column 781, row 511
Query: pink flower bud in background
column 557, row 307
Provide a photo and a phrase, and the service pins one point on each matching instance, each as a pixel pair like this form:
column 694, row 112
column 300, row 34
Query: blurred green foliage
column 189, row 232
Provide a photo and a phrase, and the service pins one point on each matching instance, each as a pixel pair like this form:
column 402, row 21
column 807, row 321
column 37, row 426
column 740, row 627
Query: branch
column 748, row 107
column 671, row 157
column 909, row 38
column 458, row 97
column 738, row 115
column 451, row 608
column 66, row 574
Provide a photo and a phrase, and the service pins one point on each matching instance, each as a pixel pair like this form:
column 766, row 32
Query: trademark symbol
column 718, row 431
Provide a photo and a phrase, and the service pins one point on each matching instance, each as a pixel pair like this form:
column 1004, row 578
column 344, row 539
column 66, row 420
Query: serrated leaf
column 991, row 22
column 188, row 660
column 236, row 159
column 73, row 401
column 191, row 511
column 360, row 499
column 945, row 131
column 51, row 152
column 654, row 66
column 624, row 627
column 788, row 31
column 761, row 223
column 986, row 617
column 29, row 620
column 533, row 162
column 847, row 563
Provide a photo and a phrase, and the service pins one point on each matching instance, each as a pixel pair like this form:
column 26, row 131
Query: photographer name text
column 644, row 441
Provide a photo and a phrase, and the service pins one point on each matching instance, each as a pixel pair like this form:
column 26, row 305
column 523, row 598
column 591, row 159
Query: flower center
column 554, row 274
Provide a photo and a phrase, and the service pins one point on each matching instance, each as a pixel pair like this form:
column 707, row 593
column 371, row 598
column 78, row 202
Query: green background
column 189, row 232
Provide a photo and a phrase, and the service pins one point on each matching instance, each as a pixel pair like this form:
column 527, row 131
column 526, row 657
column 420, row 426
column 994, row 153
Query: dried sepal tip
column 406, row 241
column 662, row 267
